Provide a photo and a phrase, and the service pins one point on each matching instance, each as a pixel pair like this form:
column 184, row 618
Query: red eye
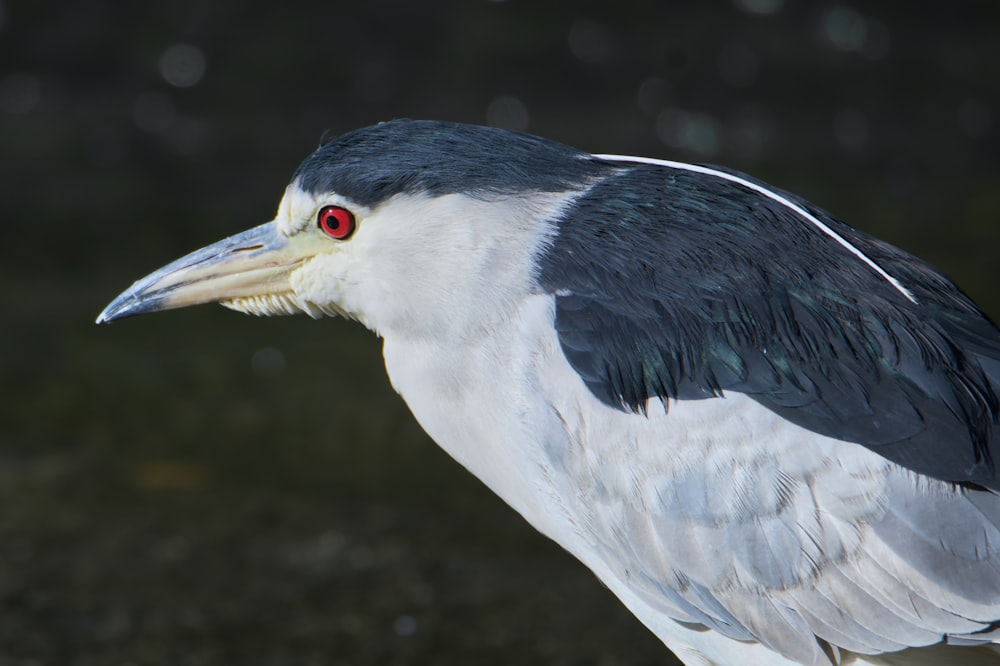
column 336, row 222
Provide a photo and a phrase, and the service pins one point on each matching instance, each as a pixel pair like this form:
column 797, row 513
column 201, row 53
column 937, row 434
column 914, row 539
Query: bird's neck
column 464, row 390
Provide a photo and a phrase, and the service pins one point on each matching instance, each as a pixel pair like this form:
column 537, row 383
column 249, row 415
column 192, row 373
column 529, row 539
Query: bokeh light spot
column 507, row 112
column 267, row 362
column 845, row 28
column 698, row 132
column 182, row 65
column 759, row 6
column 877, row 40
column 848, row 30
column 405, row 625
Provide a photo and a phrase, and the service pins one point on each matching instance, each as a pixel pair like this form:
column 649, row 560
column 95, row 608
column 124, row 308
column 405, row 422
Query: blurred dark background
column 199, row 487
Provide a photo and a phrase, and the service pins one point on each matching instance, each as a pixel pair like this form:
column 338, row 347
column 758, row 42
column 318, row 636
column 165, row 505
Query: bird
column 771, row 435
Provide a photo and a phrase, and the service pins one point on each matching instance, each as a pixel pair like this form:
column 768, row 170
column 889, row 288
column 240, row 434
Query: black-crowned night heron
column 771, row 435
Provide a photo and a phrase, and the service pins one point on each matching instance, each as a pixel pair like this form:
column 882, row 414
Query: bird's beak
column 257, row 262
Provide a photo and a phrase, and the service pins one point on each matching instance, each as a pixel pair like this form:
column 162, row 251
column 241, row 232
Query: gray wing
column 835, row 498
column 737, row 530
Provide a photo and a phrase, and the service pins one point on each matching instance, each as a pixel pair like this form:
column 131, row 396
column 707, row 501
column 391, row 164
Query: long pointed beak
column 256, row 262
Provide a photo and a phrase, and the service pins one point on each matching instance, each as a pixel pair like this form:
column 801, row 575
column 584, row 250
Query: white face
column 416, row 263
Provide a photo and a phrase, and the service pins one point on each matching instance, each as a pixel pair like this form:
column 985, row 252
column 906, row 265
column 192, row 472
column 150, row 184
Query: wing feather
column 673, row 284
column 759, row 515
column 760, row 529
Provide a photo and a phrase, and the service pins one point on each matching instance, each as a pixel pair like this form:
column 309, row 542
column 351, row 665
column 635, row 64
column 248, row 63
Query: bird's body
column 770, row 435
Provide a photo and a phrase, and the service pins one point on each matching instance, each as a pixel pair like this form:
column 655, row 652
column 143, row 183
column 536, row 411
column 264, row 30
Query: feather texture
column 672, row 285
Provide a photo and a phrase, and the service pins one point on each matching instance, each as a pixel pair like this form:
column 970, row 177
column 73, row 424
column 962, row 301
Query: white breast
column 484, row 405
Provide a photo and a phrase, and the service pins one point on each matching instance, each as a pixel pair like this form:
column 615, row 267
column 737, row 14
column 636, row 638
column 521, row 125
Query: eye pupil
column 336, row 222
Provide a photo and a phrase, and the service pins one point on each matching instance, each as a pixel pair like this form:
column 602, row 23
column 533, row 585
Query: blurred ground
column 199, row 487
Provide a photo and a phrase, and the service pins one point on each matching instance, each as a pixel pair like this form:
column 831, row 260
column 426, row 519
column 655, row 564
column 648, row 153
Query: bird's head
column 405, row 224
